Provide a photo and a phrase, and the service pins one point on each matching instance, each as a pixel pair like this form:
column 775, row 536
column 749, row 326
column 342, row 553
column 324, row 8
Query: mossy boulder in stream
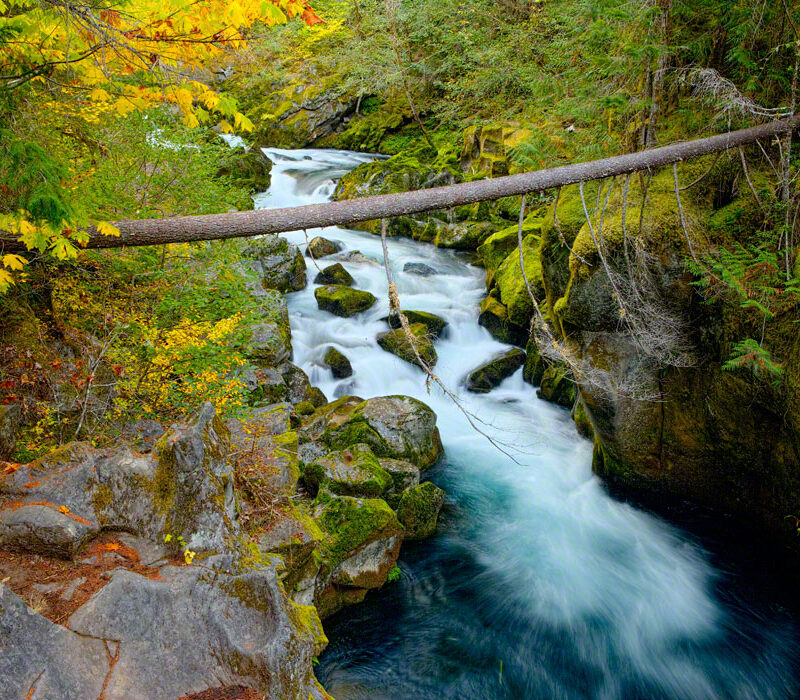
column 334, row 274
column 433, row 323
column 338, row 362
column 557, row 386
column 343, row 301
column 353, row 471
column 361, row 545
column 398, row 343
column 320, row 247
column 399, row 427
column 499, row 246
column 494, row 318
column 535, row 365
column 514, row 293
column 418, row 510
column 486, row 377
column 248, row 168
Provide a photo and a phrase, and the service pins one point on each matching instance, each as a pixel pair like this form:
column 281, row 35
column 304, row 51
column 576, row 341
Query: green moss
column 304, row 408
column 307, row 620
column 434, row 324
column 351, row 523
column 494, row 318
column 398, row 343
column 500, row 245
column 102, row 497
column 353, row 471
column 419, row 510
column 163, row 486
column 581, row 419
column 557, row 386
column 343, row 301
column 513, row 291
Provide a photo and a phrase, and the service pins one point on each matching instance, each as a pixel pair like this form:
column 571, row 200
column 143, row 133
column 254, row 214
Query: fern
column 749, row 355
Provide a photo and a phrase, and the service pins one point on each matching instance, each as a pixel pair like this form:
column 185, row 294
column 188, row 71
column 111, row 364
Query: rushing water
column 538, row 583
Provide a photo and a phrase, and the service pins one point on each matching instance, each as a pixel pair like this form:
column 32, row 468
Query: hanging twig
column 747, row 177
column 680, row 210
column 704, row 175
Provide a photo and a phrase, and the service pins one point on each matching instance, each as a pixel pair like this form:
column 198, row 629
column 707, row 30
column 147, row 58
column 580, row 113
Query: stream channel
column 539, row 583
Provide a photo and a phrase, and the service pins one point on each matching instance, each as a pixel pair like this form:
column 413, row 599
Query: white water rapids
column 538, row 583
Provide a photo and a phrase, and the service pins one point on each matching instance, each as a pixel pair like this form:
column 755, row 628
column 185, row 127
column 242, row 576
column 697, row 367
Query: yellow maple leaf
column 106, row 228
column 14, row 262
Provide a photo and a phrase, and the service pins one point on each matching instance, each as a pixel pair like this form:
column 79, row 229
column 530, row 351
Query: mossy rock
column 514, row 293
column 398, row 343
column 334, row 274
column 433, row 323
column 418, row 510
column 338, row 362
column 404, row 476
column 490, row 374
column 535, row 365
column 343, row 301
column 495, row 249
column 557, row 386
column 399, row 427
column 581, row 419
column 304, row 408
column 249, row 169
column 353, row 471
column 494, row 318
column 319, row 247
column 283, row 267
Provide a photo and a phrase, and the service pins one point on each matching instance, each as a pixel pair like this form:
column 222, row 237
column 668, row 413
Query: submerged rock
column 433, row 323
column 398, row 343
column 353, row 471
column 320, row 247
column 418, row 268
column 343, row 301
column 491, row 373
column 356, row 256
column 418, row 510
column 334, row 274
column 338, row 362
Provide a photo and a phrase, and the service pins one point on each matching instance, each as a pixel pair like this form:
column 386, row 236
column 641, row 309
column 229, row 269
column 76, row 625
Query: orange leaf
column 9, row 467
column 63, row 509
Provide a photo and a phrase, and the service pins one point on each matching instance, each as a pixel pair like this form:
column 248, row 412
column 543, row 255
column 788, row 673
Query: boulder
column 10, row 424
column 299, row 386
column 42, row 660
column 353, row 471
column 486, row 377
column 320, row 247
column 269, row 345
column 514, row 293
column 248, row 168
column 184, row 487
column 343, row 301
column 418, row 268
column 557, row 386
column 418, row 510
column 334, row 274
column 434, row 324
column 399, row 427
column 271, row 387
column 361, row 545
column 339, row 364
column 356, row 256
column 201, row 627
column 398, row 343
column 282, row 265
column 404, row 475
column 535, row 364
column 143, row 434
column 494, row 318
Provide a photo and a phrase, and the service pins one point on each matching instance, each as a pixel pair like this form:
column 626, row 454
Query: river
column 539, row 583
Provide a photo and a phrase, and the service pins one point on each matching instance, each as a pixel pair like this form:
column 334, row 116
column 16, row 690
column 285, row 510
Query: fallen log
column 181, row 229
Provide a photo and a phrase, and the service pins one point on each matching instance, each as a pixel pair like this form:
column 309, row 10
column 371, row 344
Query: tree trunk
column 178, row 229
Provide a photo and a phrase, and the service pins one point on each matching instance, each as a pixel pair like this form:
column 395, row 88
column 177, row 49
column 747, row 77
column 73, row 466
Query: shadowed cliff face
column 729, row 440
